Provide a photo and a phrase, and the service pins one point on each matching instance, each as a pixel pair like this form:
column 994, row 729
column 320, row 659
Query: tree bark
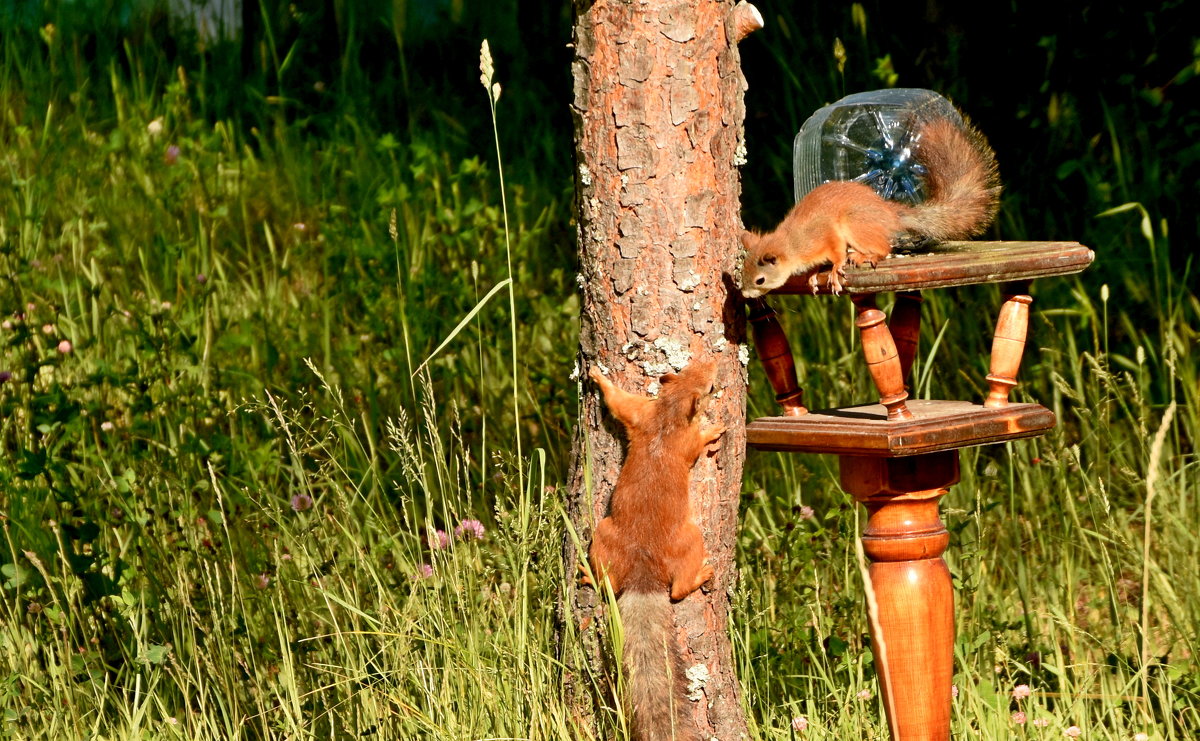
column 658, row 111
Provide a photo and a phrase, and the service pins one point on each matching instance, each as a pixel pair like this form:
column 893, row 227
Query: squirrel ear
column 768, row 259
column 749, row 239
column 668, row 378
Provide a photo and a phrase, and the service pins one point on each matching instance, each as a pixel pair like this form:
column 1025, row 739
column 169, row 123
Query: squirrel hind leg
column 688, row 565
column 869, row 229
column 607, row 556
column 870, row 243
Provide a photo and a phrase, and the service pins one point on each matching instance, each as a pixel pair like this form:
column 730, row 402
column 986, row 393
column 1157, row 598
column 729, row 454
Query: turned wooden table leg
column 913, row 636
column 1008, row 344
column 882, row 359
column 906, row 329
column 776, row 356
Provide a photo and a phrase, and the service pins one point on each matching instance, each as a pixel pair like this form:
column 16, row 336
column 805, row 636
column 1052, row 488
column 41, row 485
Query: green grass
column 220, row 504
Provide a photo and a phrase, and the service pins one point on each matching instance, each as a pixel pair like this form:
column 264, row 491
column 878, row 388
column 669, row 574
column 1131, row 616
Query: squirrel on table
column 648, row 548
column 846, row 221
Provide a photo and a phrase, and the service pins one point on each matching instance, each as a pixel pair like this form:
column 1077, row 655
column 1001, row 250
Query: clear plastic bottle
column 871, row 138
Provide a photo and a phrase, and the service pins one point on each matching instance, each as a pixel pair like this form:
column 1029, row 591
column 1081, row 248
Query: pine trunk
column 658, row 110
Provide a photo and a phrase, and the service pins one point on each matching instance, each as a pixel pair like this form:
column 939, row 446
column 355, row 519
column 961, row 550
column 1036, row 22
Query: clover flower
column 438, row 539
column 470, row 529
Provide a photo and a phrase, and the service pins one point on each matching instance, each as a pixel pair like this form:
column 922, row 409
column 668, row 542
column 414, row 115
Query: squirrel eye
column 760, row 280
column 767, row 260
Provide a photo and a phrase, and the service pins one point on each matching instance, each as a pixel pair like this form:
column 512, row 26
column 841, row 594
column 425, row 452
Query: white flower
column 155, row 127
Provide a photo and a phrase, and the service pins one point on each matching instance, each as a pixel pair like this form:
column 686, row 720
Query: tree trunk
column 658, row 111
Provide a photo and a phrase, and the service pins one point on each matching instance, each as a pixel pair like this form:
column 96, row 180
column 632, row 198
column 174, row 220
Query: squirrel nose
column 760, row 280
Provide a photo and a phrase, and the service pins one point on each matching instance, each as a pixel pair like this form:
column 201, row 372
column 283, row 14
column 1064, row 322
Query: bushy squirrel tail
column 654, row 669
column 962, row 180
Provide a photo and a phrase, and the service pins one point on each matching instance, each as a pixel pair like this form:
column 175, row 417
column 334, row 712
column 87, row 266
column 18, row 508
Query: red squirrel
column 845, row 221
column 648, row 548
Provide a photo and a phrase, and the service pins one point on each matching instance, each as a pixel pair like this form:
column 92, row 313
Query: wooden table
column 899, row 457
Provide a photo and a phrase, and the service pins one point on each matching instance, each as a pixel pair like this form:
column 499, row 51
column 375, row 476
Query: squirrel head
column 679, row 399
column 760, row 269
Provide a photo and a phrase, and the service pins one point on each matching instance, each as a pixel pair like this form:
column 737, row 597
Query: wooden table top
column 953, row 264
column 865, row 430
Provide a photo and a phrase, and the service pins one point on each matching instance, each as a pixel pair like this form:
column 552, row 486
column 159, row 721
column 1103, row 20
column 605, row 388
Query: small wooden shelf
column 953, row 264
column 900, row 456
column 866, row 431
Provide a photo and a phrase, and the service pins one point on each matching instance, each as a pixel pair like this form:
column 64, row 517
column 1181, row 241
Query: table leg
column 1008, row 344
column 906, row 329
column 776, row 355
column 912, row 621
column 883, row 361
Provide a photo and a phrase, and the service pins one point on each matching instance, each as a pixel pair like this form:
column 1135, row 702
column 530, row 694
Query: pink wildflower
column 807, row 513
column 799, row 723
column 470, row 529
column 1019, row 718
column 1041, row 722
column 424, row 571
column 171, row 156
column 864, row 694
column 65, row 347
column 954, row 690
column 1139, row 736
column 106, row 426
column 438, row 539
column 261, row 581
column 1021, row 691
column 1073, row 732
column 301, row 502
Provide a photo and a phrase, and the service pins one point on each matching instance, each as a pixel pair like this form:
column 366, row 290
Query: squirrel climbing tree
column 658, row 111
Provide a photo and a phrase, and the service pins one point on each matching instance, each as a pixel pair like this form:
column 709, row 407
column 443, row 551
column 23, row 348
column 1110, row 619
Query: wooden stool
column 899, row 457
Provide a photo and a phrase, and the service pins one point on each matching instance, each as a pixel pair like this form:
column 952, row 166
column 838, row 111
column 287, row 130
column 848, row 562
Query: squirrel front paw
column 712, row 437
column 835, row 279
